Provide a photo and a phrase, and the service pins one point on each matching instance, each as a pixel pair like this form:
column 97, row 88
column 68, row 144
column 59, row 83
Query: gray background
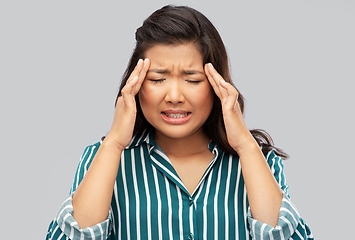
column 60, row 67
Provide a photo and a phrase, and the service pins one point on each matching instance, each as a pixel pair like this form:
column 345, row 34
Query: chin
column 176, row 132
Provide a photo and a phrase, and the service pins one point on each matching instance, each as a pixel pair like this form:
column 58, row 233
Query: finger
column 215, row 79
column 134, row 84
column 128, row 101
column 132, row 79
column 231, row 101
column 137, row 69
column 229, row 88
column 211, row 79
column 128, row 88
column 142, row 74
column 224, row 92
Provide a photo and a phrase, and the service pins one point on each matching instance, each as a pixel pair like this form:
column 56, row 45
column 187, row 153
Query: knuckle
column 124, row 93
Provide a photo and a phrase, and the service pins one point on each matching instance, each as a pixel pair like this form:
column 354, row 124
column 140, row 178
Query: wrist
column 248, row 146
column 112, row 144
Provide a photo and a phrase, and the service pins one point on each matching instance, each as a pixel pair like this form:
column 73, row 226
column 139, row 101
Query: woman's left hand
column 238, row 134
column 264, row 193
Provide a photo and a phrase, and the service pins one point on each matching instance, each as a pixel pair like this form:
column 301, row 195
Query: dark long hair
column 180, row 24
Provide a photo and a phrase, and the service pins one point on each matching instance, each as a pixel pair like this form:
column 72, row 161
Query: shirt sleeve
column 64, row 226
column 290, row 225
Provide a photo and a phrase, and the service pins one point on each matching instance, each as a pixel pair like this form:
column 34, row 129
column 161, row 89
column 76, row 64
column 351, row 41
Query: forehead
column 186, row 54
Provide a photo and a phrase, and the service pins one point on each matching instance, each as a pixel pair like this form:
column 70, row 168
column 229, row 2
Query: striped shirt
column 150, row 201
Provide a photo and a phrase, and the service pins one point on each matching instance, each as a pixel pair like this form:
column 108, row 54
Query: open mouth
column 176, row 115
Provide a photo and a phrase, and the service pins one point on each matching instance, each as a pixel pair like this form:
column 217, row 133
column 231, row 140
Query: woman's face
column 176, row 97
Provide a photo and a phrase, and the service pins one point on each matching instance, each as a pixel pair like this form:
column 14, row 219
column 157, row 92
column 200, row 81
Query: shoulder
column 92, row 148
column 84, row 164
column 89, row 152
column 272, row 157
column 274, row 161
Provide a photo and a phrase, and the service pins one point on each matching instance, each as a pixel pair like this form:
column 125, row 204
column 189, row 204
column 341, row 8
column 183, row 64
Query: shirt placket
column 163, row 164
column 194, row 231
column 192, row 220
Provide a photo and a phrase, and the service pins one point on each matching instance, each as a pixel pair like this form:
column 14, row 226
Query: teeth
column 176, row 115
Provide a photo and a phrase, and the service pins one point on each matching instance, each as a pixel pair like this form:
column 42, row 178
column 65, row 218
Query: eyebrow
column 158, row 70
column 185, row 72
column 192, row 72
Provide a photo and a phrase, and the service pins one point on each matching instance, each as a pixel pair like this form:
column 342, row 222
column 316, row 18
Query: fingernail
column 211, row 65
column 139, row 61
column 146, row 60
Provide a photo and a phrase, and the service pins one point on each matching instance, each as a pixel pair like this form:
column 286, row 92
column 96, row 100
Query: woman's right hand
column 122, row 127
column 92, row 199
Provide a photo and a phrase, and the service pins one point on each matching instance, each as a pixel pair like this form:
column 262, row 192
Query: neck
column 183, row 147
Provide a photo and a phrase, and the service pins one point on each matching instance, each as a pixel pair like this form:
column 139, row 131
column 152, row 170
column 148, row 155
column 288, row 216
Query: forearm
column 264, row 193
column 92, row 198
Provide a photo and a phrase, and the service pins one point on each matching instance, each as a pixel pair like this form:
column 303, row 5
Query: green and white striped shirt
column 150, row 201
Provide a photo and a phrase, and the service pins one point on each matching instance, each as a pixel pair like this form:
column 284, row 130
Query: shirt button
column 190, row 236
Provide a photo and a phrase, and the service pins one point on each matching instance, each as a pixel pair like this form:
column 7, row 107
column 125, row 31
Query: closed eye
column 194, row 82
column 156, row 80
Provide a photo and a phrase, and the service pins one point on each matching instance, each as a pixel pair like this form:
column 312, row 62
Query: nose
column 174, row 93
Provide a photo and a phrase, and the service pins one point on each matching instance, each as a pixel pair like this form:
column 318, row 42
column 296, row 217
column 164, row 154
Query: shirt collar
column 147, row 136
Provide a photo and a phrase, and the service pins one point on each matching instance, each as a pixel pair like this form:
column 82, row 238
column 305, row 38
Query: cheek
column 143, row 97
column 147, row 96
column 203, row 98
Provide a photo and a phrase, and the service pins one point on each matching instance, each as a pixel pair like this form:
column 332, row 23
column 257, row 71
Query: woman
column 179, row 161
